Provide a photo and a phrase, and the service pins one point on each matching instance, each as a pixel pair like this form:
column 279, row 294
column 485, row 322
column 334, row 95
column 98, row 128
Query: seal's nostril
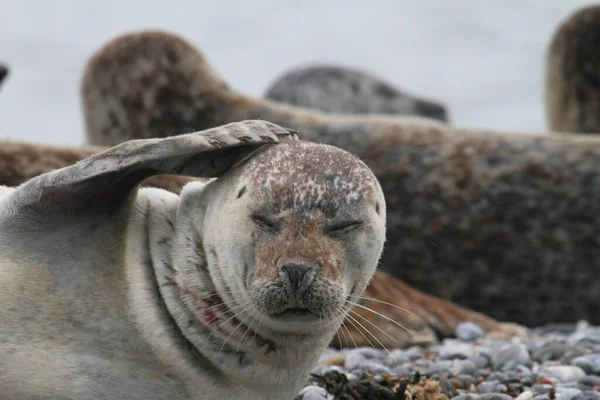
column 295, row 273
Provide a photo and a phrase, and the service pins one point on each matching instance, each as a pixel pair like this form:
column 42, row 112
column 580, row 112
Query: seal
column 153, row 84
column 230, row 290
column 3, row 73
column 572, row 80
column 344, row 90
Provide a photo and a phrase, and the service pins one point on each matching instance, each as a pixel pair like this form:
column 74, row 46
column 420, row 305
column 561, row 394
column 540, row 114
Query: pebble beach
column 552, row 362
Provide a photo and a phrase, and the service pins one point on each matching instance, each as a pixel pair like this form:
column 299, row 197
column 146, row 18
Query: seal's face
column 305, row 224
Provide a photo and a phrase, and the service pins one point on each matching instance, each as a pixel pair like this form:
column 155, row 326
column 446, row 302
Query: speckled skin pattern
column 336, row 89
column 572, row 73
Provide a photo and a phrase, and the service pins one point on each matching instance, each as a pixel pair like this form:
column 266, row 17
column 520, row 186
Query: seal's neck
column 243, row 350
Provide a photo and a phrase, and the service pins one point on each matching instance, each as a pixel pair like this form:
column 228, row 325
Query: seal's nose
column 295, row 273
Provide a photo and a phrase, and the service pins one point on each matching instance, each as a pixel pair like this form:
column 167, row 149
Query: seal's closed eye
column 266, row 223
column 343, row 227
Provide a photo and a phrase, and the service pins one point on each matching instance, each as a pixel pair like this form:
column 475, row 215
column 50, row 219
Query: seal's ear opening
column 249, row 153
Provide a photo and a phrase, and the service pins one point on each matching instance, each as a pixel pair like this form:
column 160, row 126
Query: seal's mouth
column 296, row 313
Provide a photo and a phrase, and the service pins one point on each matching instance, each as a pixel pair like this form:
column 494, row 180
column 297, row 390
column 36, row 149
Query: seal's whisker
column 363, row 335
column 354, row 322
column 383, row 302
column 237, row 306
column 374, row 337
column 331, row 330
column 380, row 330
column 245, row 332
column 339, row 318
column 382, row 316
column 235, row 330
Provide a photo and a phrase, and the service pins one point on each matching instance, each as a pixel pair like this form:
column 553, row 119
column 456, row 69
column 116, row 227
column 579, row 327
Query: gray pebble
column 372, row 366
column 481, row 359
column 526, row 395
column 311, row 396
column 589, row 381
column 401, row 370
column 541, row 397
column 483, row 372
column 352, row 360
column 587, row 395
column 322, row 369
column 568, row 394
column 510, row 356
column 564, row 373
column 440, row 366
column 590, row 363
column 549, row 352
column 314, row 390
column 469, row 332
column 495, row 396
column 491, row 387
column 466, row 367
column 585, row 335
column 542, row 388
column 471, row 396
column 399, row 356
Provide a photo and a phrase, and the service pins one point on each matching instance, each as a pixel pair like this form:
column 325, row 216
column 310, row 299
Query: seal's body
column 343, row 90
column 572, row 80
column 230, row 290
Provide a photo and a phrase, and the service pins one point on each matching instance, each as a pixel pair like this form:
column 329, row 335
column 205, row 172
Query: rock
column 372, row 366
column 587, row 395
column 440, row 367
column 549, row 352
column 453, row 349
column 510, row 356
column 313, row 390
column 466, row 367
column 590, row 363
column 312, row 396
column 469, row 332
column 352, row 360
column 568, row 394
column 564, row 373
column 526, row 395
column 491, row 387
column 401, row 370
column 585, row 335
column 481, row 359
column 470, row 396
column 588, row 382
column 495, row 396
column 542, row 388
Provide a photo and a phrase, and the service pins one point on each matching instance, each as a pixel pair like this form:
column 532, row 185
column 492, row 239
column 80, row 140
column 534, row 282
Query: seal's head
column 299, row 228
column 572, row 78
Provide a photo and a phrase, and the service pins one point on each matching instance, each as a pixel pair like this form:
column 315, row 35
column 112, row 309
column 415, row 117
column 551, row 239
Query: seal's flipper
column 102, row 182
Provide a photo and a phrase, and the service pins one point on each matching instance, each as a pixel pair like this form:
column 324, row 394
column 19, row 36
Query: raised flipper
column 102, row 183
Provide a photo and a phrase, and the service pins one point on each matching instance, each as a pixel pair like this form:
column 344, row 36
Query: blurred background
column 482, row 58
